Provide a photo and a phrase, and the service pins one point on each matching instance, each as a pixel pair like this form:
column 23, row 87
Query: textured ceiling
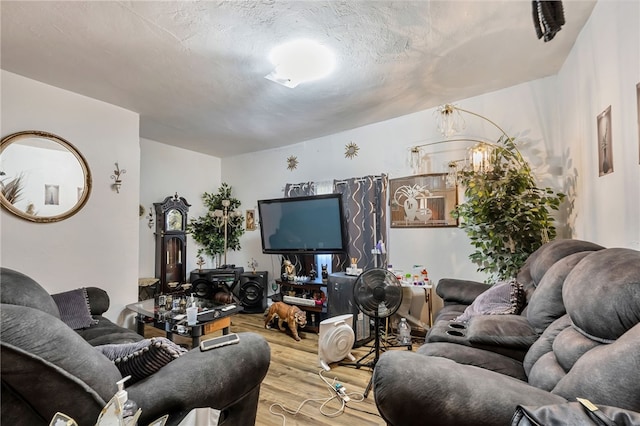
column 194, row 70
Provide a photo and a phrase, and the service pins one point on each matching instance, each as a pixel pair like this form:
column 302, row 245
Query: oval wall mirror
column 43, row 178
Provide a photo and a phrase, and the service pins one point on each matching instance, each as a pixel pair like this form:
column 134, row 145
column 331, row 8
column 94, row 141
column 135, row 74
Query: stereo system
column 232, row 285
column 252, row 291
column 207, row 283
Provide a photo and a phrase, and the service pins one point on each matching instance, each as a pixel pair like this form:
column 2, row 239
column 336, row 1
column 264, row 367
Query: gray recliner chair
column 591, row 352
column 49, row 367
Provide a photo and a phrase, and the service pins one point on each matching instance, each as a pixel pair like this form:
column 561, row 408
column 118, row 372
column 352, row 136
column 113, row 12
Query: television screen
column 306, row 225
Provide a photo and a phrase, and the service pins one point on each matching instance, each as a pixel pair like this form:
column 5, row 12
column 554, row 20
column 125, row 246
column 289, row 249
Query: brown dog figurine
column 292, row 315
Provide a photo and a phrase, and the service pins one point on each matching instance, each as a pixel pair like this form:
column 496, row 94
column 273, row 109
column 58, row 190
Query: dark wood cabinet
column 171, row 241
column 308, row 292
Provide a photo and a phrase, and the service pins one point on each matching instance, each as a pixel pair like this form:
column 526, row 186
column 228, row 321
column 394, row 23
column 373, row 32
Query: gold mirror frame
column 82, row 198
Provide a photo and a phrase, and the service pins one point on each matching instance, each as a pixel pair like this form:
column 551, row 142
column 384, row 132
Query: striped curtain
column 364, row 201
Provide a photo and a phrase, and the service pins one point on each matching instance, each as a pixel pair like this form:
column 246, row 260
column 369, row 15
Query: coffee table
column 211, row 317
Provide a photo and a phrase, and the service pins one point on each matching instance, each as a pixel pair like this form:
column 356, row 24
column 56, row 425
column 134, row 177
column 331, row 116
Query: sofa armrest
column 98, row 300
column 453, row 290
column 226, row 379
column 501, row 330
column 413, row 389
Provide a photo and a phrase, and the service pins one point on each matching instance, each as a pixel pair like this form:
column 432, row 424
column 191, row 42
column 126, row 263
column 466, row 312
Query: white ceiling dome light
column 300, row 61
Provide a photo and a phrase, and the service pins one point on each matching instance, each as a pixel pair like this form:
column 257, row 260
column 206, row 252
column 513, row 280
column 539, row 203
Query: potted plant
column 505, row 214
column 209, row 230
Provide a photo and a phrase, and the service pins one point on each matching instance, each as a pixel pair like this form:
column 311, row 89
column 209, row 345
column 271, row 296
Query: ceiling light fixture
column 300, row 61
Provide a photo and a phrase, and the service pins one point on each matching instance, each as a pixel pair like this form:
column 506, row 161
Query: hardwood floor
column 293, row 378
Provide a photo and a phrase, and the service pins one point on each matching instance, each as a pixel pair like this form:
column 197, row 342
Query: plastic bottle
column 404, row 332
column 128, row 407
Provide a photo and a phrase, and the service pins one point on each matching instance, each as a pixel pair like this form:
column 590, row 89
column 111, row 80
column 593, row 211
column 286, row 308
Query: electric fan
column 378, row 294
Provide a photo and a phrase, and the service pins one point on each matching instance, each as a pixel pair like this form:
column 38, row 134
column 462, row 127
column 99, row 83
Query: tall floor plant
column 505, row 214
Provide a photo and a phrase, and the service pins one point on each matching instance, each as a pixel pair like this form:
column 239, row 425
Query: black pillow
column 143, row 358
column 74, row 308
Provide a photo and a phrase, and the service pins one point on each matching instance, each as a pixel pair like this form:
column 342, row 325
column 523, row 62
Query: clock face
column 174, row 220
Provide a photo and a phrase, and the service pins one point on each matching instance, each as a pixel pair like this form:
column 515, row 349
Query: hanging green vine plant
column 208, row 230
column 505, row 214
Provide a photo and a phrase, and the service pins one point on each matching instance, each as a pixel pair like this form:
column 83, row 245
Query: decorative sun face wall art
column 292, row 162
column 605, row 153
column 351, row 150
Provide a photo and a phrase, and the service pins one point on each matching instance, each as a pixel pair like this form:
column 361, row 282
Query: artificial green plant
column 505, row 214
column 208, row 230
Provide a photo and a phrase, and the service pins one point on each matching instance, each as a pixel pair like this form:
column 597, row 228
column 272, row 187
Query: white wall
column 99, row 245
column 603, row 69
column 165, row 170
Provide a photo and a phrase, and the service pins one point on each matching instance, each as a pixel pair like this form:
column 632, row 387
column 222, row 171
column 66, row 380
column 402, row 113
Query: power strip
column 342, row 392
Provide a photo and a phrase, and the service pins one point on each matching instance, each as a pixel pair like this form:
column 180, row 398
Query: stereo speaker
column 252, row 291
column 340, row 302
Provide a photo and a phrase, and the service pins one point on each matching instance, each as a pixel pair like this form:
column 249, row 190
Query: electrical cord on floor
column 337, row 392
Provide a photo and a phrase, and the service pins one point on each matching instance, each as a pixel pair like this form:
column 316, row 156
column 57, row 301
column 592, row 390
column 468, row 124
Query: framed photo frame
column 605, row 152
column 51, row 195
column 638, row 113
column 250, row 220
column 422, row 201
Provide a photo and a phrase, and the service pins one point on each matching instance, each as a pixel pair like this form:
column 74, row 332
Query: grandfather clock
column 171, row 241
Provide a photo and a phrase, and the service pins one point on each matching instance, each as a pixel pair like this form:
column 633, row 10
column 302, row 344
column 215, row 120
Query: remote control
column 217, row 342
column 228, row 308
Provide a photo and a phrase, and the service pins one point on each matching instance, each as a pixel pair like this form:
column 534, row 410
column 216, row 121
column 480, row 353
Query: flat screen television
column 305, row 225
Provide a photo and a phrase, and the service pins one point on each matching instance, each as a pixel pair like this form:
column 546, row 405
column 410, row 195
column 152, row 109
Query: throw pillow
column 518, row 297
column 143, row 358
column 504, row 297
column 74, row 308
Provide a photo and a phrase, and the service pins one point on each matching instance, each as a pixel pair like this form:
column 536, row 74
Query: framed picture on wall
column 52, row 195
column 638, row 112
column 251, row 220
column 605, row 153
column 422, row 201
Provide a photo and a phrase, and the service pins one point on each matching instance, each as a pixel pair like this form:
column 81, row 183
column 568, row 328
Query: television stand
column 306, row 293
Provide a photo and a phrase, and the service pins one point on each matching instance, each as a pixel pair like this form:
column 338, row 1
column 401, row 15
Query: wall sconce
column 116, row 177
column 150, row 222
